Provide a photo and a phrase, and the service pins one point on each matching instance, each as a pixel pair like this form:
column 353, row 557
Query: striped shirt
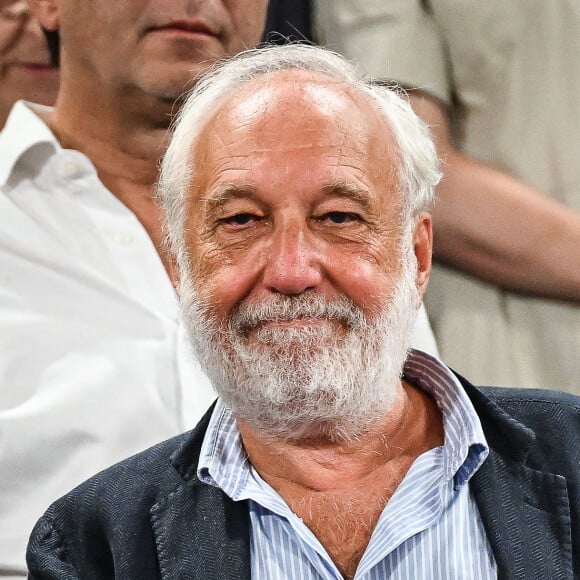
column 429, row 530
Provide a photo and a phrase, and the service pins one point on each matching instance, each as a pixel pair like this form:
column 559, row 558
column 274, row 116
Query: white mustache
column 288, row 308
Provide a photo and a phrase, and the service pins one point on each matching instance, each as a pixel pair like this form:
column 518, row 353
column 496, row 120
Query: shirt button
column 71, row 168
column 123, row 238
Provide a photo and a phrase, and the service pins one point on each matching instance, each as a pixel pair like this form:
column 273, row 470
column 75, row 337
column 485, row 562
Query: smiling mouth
column 295, row 322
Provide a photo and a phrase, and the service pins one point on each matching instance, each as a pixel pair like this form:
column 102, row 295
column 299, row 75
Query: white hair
column 418, row 164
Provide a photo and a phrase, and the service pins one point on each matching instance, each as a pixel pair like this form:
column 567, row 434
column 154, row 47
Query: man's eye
column 240, row 219
column 340, row 217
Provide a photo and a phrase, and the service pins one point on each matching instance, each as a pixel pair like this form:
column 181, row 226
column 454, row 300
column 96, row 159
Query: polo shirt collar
column 23, row 130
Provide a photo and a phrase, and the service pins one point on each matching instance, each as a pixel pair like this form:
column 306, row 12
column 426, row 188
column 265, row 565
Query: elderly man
column 297, row 200
column 93, row 366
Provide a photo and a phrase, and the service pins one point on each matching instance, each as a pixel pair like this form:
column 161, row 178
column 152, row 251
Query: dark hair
column 288, row 22
column 53, row 41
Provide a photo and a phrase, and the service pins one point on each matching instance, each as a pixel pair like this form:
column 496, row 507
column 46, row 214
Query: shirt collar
column 224, row 463
column 23, row 130
column 465, row 447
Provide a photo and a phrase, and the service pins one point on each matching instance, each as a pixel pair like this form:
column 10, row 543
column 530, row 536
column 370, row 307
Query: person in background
column 93, row 365
column 499, row 85
column 297, row 199
column 25, row 69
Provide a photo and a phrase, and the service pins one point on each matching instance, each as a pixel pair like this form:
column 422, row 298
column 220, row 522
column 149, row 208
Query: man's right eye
column 240, row 219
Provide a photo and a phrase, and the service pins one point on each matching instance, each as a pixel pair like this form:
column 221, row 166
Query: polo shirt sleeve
column 394, row 40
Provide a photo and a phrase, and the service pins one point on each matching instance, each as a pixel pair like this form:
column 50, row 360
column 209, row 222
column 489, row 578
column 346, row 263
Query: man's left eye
column 340, row 217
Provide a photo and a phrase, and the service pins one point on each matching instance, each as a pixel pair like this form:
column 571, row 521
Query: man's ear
column 46, row 12
column 423, row 248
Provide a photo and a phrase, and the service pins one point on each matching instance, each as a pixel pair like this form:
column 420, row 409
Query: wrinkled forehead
column 295, row 129
column 299, row 104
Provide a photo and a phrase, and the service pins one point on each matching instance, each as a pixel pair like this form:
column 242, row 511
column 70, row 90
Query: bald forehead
column 302, row 96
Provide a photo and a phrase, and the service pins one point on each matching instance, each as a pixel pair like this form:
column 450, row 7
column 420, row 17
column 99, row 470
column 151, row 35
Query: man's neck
column 125, row 139
column 413, row 425
column 339, row 490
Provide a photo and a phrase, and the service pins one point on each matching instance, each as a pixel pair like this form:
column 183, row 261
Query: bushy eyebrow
column 348, row 190
column 227, row 192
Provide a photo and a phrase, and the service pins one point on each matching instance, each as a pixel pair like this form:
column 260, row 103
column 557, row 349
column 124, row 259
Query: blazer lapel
column 201, row 534
column 526, row 512
column 518, row 507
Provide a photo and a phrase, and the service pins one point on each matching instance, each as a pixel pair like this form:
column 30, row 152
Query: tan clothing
column 514, row 68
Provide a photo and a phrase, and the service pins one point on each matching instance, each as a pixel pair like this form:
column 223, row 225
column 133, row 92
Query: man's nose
column 293, row 265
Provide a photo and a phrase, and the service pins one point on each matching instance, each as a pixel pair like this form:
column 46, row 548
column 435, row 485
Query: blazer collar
column 526, row 512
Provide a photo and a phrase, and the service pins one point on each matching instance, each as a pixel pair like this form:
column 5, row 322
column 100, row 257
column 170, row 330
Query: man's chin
column 314, row 429
column 169, row 83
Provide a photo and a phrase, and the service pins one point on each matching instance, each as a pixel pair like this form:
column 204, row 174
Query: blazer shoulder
column 535, row 405
column 540, row 395
column 146, row 475
column 538, row 406
column 543, row 424
column 138, row 480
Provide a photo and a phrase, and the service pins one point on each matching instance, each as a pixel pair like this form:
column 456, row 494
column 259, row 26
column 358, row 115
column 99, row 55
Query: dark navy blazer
column 149, row 517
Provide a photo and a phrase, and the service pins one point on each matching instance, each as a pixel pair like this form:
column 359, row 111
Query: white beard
column 332, row 379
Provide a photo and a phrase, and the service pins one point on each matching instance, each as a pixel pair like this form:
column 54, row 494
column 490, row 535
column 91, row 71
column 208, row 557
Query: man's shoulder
column 536, row 405
column 542, row 424
column 142, row 478
column 125, row 520
column 522, row 403
column 110, row 512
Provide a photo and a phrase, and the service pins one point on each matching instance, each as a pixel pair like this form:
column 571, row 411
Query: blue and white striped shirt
column 429, row 530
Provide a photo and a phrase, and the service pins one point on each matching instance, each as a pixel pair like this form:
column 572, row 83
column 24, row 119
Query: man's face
column 294, row 232
column 156, row 46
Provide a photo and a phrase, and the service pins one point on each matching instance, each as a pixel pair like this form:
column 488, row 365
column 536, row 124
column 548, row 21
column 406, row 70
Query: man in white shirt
column 92, row 363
